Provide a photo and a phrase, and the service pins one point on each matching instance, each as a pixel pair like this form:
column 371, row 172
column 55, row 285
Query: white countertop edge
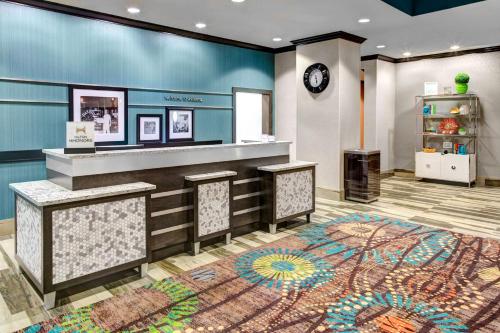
column 45, row 193
column 60, row 152
column 211, row 175
column 286, row 166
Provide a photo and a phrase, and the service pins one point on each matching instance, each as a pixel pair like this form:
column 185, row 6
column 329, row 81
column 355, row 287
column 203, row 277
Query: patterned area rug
column 357, row 273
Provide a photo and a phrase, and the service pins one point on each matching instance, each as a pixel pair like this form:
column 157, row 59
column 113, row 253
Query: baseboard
column 6, row 227
column 490, row 182
column 329, row 194
column 404, row 173
column 386, row 174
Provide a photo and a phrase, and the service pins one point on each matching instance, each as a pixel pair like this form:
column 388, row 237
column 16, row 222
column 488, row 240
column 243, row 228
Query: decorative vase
column 461, row 88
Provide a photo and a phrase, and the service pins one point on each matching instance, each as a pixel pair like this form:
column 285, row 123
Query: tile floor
column 474, row 211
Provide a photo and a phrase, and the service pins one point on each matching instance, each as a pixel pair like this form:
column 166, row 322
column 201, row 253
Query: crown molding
column 379, row 57
column 451, row 54
column 90, row 14
column 285, row 49
column 431, row 56
column 329, row 36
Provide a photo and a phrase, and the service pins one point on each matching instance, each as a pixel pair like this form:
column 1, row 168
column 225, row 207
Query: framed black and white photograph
column 180, row 124
column 149, row 128
column 106, row 107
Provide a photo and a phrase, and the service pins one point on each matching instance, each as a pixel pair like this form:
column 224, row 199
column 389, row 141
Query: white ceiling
column 258, row 21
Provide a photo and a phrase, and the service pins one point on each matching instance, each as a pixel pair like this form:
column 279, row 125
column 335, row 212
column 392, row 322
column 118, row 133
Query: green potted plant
column 461, row 83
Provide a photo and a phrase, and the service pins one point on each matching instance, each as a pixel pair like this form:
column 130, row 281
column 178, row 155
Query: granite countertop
column 212, row 175
column 46, row 193
column 60, row 152
column 286, row 166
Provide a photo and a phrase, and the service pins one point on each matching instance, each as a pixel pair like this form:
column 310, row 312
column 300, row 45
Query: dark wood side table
column 212, row 206
column 288, row 192
column 362, row 175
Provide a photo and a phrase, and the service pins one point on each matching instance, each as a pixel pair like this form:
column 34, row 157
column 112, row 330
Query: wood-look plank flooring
column 473, row 211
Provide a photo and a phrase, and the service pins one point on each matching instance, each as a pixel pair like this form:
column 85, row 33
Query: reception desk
column 172, row 213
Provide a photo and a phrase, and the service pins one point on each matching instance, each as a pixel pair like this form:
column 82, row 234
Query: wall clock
column 316, row 78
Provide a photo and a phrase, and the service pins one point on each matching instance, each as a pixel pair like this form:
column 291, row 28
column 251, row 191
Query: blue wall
column 47, row 46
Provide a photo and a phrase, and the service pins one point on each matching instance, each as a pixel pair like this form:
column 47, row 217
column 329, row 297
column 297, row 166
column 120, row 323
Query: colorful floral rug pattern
column 357, row 273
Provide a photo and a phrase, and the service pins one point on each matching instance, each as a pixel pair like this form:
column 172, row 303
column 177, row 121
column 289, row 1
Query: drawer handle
column 453, row 167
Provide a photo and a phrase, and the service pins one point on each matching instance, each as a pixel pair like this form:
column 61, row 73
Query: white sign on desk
column 80, row 134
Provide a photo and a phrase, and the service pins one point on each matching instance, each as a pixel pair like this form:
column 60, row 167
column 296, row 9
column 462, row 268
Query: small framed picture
column 104, row 106
column 180, row 124
column 447, row 144
column 149, row 128
column 430, row 88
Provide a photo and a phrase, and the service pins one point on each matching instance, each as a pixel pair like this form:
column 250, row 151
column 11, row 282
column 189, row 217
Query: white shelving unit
column 445, row 163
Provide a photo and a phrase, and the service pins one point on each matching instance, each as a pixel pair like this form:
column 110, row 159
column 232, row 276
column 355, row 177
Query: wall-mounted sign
column 184, row 99
column 80, row 134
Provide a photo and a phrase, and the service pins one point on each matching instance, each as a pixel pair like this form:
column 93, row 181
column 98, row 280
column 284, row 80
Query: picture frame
column 149, row 128
column 180, row 124
column 107, row 107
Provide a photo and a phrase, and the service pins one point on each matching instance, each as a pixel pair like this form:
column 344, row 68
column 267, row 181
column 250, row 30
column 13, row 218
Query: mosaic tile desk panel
column 294, row 193
column 92, row 238
column 213, row 208
column 29, row 236
column 354, row 273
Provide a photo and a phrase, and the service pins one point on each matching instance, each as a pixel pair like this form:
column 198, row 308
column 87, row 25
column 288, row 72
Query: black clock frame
column 324, row 83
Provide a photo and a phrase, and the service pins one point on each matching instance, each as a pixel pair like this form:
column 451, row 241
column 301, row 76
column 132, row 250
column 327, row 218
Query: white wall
column 328, row 122
column 390, row 91
column 386, row 113
column 248, row 116
column 285, row 93
column 484, row 70
column 380, row 104
column 370, row 107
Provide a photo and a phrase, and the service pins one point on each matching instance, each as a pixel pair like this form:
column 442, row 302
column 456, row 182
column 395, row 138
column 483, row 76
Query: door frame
column 255, row 91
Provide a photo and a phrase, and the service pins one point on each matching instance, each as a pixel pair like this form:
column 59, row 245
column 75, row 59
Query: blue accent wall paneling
column 53, row 47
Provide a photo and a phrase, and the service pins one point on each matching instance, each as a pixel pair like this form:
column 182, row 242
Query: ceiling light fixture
column 133, row 10
column 200, row 25
column 277, row 39
column 364, row 20
column 407, row 54
column 238, row 1
column 380, row 46
column 454, row 47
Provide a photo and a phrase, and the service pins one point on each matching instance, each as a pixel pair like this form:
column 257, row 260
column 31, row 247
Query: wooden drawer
column 428, row 165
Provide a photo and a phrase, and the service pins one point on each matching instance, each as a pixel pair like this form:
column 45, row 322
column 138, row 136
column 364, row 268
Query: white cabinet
column 428, row 165
column 450, row 167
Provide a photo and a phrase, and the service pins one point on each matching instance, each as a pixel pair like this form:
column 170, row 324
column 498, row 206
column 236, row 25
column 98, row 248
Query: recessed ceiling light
column 380, row 46
column 238, row 1
column 277, row 39
column 454, row 47
column 407, row 54
column 200, row 25
column 133, row 10
column 364, row 20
